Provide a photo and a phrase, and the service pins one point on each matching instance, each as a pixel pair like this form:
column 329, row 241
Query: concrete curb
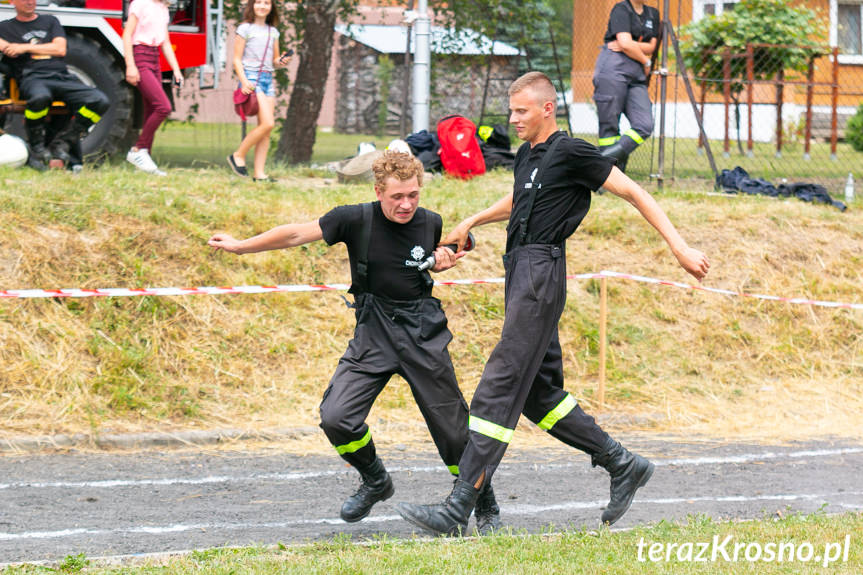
column 31, row 444
column 25, row 444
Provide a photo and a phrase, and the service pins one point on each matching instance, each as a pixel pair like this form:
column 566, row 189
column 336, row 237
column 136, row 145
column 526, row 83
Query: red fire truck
column 94, row 53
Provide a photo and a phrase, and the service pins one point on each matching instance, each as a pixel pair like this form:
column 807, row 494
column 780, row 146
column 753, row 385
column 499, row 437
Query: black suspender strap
column 434, row 223
column 524, row 237
column 363, row 249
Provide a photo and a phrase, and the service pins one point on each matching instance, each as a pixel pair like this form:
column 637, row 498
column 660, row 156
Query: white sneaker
column 142, row 160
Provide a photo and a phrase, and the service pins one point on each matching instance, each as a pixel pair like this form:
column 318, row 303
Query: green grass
column 658, row 549
column 207, row 144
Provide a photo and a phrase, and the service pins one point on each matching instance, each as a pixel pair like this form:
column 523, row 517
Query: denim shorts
column 264, row 84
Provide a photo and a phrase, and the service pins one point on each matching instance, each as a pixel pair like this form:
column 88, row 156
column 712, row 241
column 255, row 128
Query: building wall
column 457, row 87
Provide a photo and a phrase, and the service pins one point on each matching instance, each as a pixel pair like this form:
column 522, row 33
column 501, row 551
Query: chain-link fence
column 777, row 123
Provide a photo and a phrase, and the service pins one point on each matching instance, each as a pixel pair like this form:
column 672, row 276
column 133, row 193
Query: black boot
column 618, row 152
column 629, row 471
column 486, row 512
column 376, row 486
column 68, row 137
column 39, row 156
column 447, row 518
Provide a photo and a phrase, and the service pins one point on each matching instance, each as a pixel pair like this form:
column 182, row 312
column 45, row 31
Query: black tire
column 95, row 66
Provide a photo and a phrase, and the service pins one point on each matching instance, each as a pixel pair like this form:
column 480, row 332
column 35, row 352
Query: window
column 701, row 8
column 846, row 30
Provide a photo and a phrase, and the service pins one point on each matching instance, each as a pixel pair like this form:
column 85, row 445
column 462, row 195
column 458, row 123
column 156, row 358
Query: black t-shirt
column 564, row 199
column 42, row 30
column 623, row 18
column 395, row 250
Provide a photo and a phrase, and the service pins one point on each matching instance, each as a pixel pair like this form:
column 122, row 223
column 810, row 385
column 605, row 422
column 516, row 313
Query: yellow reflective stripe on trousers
column 608, row 141
column 634, row 135
column 35, row 115
column 354, row 445
column 490, row 429
column 89, row 114
column 453, row 469
column 558, row 413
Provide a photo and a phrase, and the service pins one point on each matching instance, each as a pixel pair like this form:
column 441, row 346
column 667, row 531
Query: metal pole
column 726, row 95
column 603, row 320
column 406, row 87
column 750, row 99
column 834, row 101
column 422, row 68
column 665, row 22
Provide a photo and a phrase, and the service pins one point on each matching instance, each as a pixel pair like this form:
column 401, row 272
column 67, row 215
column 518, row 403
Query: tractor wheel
column 94, row 65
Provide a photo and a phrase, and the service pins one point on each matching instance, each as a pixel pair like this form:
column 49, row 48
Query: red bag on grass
column 459, row 151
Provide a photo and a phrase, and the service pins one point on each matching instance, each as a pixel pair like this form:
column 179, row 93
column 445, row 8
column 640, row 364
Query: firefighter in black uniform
column 400, row 327
column 554, row 175
column 35, row 46
column 620, row 78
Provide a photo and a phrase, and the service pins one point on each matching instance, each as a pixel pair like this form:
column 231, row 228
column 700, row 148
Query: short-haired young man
column 400, row 328
column 554, row 177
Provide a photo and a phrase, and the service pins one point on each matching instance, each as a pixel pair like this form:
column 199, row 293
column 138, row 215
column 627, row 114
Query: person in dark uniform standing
column 400, row 327
column 36, row 45
column 554, row 177
column 620, row 78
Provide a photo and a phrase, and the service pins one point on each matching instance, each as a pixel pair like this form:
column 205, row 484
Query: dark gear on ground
column 448, row 518
column 376, row 485
column 628, row 471
column 496, row 147
column 738, row 180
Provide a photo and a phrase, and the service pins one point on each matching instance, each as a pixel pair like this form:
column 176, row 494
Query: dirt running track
column 155, row 502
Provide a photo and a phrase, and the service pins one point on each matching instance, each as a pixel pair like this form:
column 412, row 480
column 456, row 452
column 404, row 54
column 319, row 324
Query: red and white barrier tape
column 794, row 300
column 172, row 291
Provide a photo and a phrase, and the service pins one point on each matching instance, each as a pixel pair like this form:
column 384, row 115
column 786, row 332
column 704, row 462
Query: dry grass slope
column 696, row 363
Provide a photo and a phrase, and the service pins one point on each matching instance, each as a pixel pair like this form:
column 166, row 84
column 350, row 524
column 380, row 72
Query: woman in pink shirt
column 146, row 30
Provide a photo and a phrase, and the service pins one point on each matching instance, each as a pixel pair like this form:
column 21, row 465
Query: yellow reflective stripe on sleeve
column 354, row 445
column 608, row 141
column 634, row 135
column 490, row 429
column 558, row 413
column 89, row 114
column 453, row 469
column 35, row 115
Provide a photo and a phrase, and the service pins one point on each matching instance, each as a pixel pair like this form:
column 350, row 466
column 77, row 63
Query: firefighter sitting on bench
column 400, row 328
column 35, row 46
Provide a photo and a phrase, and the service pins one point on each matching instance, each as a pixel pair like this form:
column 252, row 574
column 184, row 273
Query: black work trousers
column 620, row 87
column 524, row 373
column 405, row 338
column 40, row 89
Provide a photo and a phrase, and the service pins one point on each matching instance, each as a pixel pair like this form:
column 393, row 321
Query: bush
column 854, row 130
